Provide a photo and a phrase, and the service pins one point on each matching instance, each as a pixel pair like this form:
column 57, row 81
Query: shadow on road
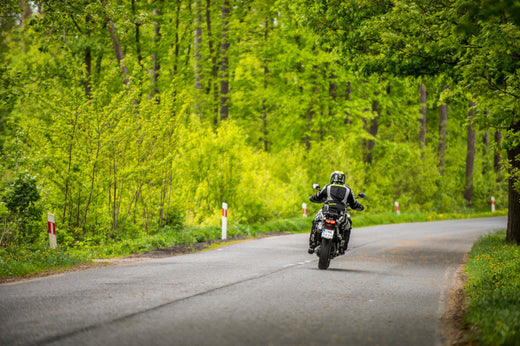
column 349, row 270
column 344, row 270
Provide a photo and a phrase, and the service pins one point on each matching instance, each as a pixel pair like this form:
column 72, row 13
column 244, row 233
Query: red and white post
column 304, row 207
column 224, row 220
column 492, row 204
column 397, row 210
column 51, row 226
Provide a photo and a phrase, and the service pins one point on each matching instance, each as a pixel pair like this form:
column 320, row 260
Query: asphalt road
column 389, row 289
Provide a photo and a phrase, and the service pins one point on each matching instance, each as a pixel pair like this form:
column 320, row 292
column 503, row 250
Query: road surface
column 389, row 289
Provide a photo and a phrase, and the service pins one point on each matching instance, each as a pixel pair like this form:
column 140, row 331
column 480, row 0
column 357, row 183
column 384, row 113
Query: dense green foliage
column 138, row 118
column 494, row 290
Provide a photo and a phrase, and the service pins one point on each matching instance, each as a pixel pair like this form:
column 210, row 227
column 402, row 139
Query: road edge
column 454, row 330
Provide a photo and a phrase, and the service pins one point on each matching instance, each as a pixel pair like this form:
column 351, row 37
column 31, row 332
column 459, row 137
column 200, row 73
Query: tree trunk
column 155, row 58
column 372, row 129
column 333, row 88
column 497, row 160
column 212, row 85
column 264, row 101
column 88, row 59
column 443, row 125
column 311, row 111
column 99, row 60
column 513, row 219
column 422, row 131
column 265, row 132
column 333, row 93
column 470, row 158
column 92, row 181
column 176, row 48
column 115, row 211
column 137, row 36
column 197, row 46
column 176, row 41
column 347, row 98
column 117, row 48
column 78, row 210
column 26, row 12
column 69, row 165
column 24, row 16
column 224, row 73
column 485, row 153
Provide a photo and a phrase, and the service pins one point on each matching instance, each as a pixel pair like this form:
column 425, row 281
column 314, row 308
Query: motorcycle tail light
column 332, row 222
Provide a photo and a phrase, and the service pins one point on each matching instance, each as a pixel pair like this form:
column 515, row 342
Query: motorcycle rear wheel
column 324, row 261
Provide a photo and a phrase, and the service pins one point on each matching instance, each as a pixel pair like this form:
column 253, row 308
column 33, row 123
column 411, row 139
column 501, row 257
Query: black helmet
column 337, row 177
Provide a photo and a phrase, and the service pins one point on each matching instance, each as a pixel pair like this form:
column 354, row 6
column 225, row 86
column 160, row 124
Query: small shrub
column 23, row 219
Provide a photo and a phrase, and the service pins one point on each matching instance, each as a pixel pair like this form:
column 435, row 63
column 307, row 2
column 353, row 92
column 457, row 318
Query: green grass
column 22, row 260
column 493, row 291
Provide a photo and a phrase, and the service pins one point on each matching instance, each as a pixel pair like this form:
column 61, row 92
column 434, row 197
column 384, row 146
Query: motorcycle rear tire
column 324, row 261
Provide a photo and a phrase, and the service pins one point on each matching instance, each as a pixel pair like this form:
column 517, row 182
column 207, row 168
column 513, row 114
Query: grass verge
column 493, row 291
column 22, row 260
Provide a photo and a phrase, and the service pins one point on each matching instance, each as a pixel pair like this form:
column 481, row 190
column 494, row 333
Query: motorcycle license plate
column 327, row 233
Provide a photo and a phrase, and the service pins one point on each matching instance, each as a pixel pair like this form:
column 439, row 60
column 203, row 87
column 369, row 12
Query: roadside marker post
column 492, row 204
column 304, row 207
column 397, row 210
column 51, row 226
column 224, row 220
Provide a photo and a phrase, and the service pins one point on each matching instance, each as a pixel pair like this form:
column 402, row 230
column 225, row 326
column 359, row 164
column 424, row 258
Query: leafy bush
column 22, row 222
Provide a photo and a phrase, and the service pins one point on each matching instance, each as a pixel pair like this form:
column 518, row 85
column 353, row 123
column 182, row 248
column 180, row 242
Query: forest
column 129, row 116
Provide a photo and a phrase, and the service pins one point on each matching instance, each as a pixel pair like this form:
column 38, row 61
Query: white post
column 304, row 207
column 397, row 210
column 224, row 220
column 51, row 225
column 492, row 204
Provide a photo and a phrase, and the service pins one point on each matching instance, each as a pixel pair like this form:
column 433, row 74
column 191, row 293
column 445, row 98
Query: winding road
column 389, row 289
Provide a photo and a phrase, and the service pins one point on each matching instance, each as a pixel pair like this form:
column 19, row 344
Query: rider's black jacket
column 337, row 197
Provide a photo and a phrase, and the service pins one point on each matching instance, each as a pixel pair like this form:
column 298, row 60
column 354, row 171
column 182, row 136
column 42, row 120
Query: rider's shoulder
column 338, row 185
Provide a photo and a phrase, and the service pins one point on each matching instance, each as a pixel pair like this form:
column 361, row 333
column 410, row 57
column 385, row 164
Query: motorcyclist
column 337, row 196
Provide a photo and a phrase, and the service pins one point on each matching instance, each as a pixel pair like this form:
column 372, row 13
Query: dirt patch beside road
column 453, row 328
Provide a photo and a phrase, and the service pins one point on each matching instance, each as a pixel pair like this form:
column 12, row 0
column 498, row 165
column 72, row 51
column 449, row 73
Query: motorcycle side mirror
column 316, row 187
column 361, row 195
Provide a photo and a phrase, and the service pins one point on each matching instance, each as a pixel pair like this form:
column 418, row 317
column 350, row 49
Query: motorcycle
column 330, row 240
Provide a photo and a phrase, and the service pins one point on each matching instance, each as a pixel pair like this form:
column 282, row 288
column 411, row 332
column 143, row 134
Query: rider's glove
column 360, row 208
